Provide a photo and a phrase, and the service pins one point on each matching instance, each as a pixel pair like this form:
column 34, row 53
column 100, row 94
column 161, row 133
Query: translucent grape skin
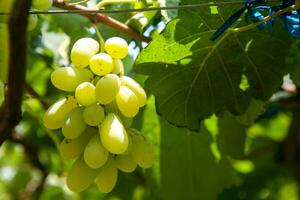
column 101, row 64
column 83, row 50
column 68, row 78
column 72, row 149
column 136, row 88
column 107, row 178
column 57, row 114
column 93, row 115
column 74, row 125
column 125, row 163
column 118, row 67
column 116, row 47
column 127, row 102
column 95, row 155
column 107, row 88
column 80, row 176
column 85, row 94
column 142, row 151
column 113, row 135
column 42, row 4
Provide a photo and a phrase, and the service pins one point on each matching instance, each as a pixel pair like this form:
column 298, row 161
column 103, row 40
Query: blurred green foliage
column 230, row 158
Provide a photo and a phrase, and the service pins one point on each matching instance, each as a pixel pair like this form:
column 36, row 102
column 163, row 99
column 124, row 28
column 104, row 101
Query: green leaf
column 151, row 129
column 255, row 108
column 231, row 137
column 189, row 169
column 193, row 78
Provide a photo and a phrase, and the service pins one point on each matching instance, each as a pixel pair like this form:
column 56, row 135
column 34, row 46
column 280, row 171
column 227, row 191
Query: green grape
column 74, row 125
column 80, row 176
column 127, row 102
column 107, row 88
column 113, row 135
column 95, row 155
column 142, row 151
column 72, row 149
column 101, row 64
column 4, row 51
column 112, row 107
column 42, row 4
column 136, row 88
column 32, row 22
column 138, row 22
column 68, row 78
column 116, row 47
column 118, row 67
column 85, row 94
column 107, row 178
column 5, row 7
column 83, row 50
column 125, row 163
column 57, row 114
column 93, row 115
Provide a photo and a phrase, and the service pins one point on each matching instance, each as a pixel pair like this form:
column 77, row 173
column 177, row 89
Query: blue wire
column 255, row 12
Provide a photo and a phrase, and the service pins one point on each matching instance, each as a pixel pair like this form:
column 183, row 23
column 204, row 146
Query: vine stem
column 10, row 112
column 265, row 19
column 102, row 18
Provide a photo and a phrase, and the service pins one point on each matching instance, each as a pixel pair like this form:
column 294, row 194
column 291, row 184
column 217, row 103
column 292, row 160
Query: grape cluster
column 96, row 120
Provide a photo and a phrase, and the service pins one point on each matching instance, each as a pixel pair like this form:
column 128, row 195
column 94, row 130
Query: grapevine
column 95, row 120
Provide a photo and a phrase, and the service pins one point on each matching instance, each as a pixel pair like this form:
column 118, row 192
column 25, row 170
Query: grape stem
column 101, row 40
column 102, row 18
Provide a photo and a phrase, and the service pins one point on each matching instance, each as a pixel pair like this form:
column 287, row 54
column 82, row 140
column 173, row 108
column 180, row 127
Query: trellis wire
column 188, row 6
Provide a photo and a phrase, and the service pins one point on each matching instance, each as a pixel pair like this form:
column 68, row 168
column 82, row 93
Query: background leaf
column 189, row 168
column 207, row 75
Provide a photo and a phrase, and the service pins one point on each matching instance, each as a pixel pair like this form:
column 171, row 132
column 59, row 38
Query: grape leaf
column 189, row 169
column 192, row 77
column 231, row 137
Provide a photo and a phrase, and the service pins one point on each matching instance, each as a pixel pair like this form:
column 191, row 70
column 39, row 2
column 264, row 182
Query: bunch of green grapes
column 96, row 120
